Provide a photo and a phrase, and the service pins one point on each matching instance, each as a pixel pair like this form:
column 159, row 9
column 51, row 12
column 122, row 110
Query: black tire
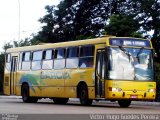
column 124, row 103
column 25, row 95
column 83, row 95
column 60, row 100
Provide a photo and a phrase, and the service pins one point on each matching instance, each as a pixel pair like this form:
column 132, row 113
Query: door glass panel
column 100, row 73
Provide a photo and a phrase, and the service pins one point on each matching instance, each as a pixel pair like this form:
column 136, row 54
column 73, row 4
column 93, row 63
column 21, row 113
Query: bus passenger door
column 13, row 75
column 100, row 73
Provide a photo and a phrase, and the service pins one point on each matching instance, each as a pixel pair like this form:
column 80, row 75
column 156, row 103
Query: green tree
column 74, row 18
column 151, row 18
column 123, row 26
column 46, row 34
column 7, row 45
column 147, row 12
column 21, row 43
column 79, row 19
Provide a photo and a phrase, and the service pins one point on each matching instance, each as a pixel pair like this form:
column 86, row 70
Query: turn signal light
column 152, row 90
column 115, row 89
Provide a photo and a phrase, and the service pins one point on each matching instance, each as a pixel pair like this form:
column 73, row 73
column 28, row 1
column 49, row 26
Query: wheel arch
column 78, row 87
column 24, row 83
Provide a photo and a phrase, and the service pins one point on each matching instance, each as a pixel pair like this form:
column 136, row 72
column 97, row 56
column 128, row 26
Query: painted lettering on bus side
column 55, row 75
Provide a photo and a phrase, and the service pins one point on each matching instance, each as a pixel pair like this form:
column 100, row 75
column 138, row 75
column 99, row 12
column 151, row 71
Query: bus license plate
column 133, row 96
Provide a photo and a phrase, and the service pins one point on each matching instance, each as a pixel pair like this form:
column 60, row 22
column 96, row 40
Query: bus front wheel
column 124, row 103
column 25, row 95
column 83, row 95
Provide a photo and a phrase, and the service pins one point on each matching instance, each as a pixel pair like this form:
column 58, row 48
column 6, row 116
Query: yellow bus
column 106, row 68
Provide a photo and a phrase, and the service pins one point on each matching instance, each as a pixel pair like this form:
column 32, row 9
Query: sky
column 10, row 19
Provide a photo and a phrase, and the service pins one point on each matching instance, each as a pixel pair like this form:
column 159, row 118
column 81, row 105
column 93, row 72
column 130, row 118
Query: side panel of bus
column 52, row 83
column 76, row 76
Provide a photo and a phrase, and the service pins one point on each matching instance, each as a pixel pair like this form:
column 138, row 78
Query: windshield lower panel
column 130, row 64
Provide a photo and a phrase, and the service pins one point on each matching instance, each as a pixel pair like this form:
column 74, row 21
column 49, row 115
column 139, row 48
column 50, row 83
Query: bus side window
column 72, row 59
column 59, row 60
column 36, row 61
column 26, row 60
column 8, row 58
column 86, row 56
column 8, row 61
column 47, row 62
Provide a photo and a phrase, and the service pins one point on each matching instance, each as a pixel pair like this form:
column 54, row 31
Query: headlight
column 115, row 89
column 151, row 90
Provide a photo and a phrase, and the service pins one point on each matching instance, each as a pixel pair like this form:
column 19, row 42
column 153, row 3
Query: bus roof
column 59, row 45
column 100, row 40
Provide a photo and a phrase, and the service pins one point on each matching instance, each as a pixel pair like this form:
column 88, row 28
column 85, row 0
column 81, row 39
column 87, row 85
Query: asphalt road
column 13, row 107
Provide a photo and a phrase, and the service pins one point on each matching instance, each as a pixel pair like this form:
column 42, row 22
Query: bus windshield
column 130, row 63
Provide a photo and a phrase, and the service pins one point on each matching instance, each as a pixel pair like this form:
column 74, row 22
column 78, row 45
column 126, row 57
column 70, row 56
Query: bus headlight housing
column 152, row 90
column 115, row 89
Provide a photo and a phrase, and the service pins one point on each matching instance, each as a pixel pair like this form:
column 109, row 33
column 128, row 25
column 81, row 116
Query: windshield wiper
column 126, row 52
column 140, row 51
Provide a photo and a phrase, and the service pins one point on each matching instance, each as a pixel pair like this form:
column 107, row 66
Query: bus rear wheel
column 124, row 103
column 25, row 95
column 83, row 95
column 60, row 100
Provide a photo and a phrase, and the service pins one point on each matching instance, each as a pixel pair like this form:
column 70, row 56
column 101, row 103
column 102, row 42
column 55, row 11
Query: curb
column 145, row 103
column 133, row 102
column 102, row 101
column 10, row 97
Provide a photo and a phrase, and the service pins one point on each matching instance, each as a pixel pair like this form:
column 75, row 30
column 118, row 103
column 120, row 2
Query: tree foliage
column 72, row 19
column 123, row 26
column 81, row 19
